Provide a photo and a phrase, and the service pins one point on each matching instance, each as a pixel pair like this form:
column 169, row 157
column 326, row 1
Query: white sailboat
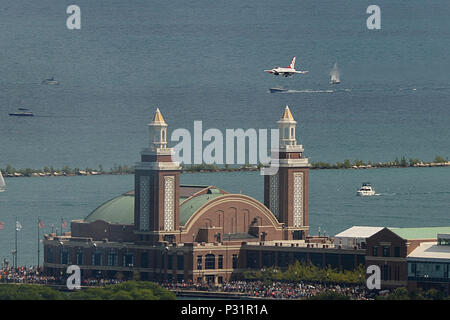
column 335, row 75
column 2, row 183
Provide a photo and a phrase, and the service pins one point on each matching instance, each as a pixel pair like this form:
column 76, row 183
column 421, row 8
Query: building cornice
column 159, row 166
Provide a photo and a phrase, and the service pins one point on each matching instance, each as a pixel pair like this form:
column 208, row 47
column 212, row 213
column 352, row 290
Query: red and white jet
column 287, row 72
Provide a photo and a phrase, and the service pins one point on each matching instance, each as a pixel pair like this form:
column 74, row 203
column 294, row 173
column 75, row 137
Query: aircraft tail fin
column 292, row 65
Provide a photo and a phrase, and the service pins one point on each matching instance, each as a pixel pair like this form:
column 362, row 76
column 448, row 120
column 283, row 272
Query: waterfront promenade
column 229, row 290
column 268, row 290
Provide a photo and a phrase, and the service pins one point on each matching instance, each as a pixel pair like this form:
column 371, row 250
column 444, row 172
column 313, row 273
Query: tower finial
column 287, row 115
column 286, row 125
column 158, row 118
column 158, row 131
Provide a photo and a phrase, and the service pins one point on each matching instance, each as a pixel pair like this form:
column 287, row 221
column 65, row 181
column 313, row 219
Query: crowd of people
column 297, row 290
column 34, row 275
column 277, row 290
column 260, row 289
column 25, row 275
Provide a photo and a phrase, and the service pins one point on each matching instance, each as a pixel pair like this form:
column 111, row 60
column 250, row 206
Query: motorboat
column 366, row 190
column 50, row 81
column 23, row 112
column 277, row 89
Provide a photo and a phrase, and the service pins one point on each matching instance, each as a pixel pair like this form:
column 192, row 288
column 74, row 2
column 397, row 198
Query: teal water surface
column 411, row 197
column 204, row 60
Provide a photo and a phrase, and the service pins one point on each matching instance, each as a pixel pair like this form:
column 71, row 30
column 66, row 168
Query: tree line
column 130, row 290
column 308, row 273
column 124, row 169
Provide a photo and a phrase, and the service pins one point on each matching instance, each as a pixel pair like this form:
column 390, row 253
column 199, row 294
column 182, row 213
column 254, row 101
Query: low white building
column 355, row 236
column 431, row 259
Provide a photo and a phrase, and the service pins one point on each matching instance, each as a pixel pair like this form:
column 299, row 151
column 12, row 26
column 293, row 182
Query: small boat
column 366, row 190
column 335, row 75
column 50, row 81
column 277, row 89
column 22, row 113
column 2, row 183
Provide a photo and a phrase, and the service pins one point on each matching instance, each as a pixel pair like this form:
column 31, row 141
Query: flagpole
column 15, row 256
column 38, row 226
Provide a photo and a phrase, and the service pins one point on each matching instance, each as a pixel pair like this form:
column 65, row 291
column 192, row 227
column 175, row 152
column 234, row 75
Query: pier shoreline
column 319, row 166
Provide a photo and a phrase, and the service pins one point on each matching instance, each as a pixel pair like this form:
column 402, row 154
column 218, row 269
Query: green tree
column 403, row 162
column 130, row 290
column 29, row 292
column 397, row 294
column 9, row 169
column 413, row 161
column 347, row 164
column 439, row 159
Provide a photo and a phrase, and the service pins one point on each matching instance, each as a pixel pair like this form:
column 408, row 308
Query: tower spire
column 286, row 126
column 286, row 192
column 158, row 132
column 157, row 187
column 287, row 115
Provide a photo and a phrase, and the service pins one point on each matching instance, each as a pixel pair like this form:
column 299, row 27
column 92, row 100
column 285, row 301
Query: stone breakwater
column 208, row 168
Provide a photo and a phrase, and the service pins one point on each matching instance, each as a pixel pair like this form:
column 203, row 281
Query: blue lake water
column 203, row 60
column 411, row 197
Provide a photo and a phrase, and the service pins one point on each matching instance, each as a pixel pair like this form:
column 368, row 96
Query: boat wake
column 307, row 90
column 310, row 91
column 358, row 90
column 411, row 193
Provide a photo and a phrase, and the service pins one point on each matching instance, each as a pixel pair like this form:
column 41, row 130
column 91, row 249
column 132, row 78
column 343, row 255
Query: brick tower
column 157, row 187
column 286, row 192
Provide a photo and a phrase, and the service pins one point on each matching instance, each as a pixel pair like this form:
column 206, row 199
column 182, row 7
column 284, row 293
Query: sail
column 335, row 74
column 2, row 183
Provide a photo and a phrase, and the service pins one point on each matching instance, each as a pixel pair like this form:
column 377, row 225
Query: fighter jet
column 287, row 72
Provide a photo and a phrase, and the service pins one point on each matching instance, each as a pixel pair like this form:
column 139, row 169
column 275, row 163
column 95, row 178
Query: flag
column 2, row 225
column 18, row 226
column 41, row 224
column 63, row 224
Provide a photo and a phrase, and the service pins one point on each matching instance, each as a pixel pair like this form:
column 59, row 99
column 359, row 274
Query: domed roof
column 120, row 210
column 189, row 207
